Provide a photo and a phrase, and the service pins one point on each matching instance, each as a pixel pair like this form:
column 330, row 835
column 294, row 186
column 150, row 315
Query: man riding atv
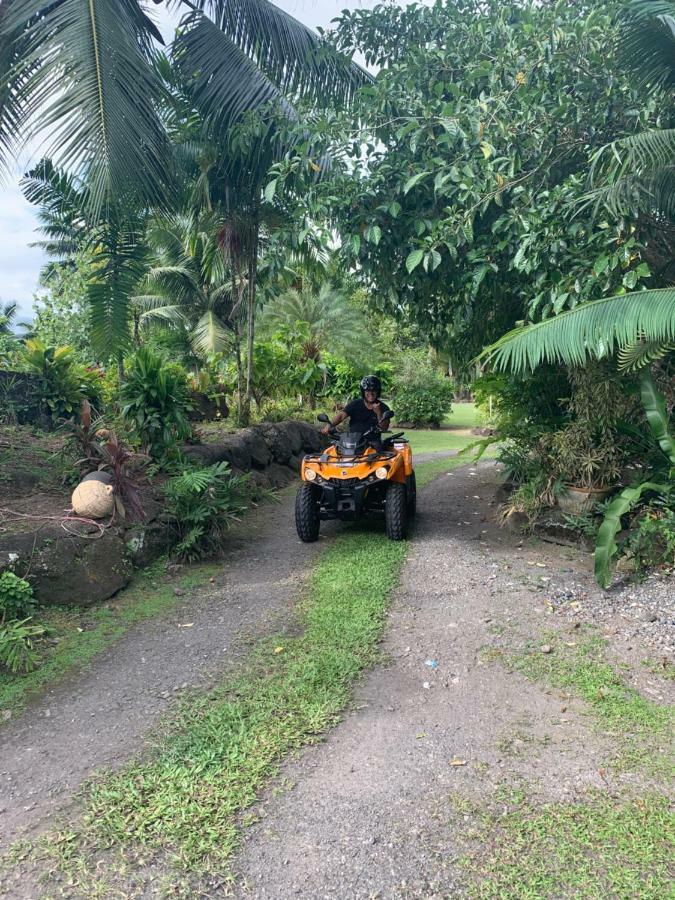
column 360, row 473
column 366, row 413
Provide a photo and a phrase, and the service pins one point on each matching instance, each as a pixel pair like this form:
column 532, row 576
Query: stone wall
column 81, row 570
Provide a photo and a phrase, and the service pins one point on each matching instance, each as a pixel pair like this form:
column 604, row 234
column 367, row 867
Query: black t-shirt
column 361, row 418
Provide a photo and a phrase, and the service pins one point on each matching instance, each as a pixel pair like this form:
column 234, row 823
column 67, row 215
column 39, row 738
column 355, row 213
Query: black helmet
column 371, row 383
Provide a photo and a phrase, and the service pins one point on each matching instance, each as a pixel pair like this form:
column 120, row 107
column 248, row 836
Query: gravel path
column 101, row 717
column 367, row 815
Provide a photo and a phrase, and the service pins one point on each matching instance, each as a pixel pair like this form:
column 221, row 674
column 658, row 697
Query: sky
column 20, row 263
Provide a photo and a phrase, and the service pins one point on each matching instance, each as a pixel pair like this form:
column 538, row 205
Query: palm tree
column 637, row 173
column 66, row 67
column 115, row 237
column 189, row 284
column 332, row 323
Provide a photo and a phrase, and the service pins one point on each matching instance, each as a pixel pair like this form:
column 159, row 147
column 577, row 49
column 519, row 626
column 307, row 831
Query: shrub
column 652, row 540
column 62, row 383
column 202, row 502
column 17, row 652
column 155, row 397
column 422, row 396
column 16, row 597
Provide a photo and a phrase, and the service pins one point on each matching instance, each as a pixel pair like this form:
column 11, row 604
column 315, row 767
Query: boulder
column 66, row 569
column 258, row 451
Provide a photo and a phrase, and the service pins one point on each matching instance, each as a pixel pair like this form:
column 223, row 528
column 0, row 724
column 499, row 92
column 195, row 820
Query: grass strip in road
column 642, row 727
column 77, row 636
column 595, row 849
column 223, row 747
column 184, row 801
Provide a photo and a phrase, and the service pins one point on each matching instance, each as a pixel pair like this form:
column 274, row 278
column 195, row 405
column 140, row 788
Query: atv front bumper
column 350, row 501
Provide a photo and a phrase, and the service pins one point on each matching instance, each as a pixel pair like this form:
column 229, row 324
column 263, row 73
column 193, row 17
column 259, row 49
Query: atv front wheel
column 396, row 511
column 307, row 520
column 412, row 496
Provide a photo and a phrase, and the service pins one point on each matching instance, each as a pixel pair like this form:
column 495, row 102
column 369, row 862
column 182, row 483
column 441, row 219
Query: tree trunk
column 240, row 371
column 250, row 321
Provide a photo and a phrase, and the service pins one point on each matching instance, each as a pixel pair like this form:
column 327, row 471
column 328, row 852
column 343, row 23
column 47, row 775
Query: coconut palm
column 188, row 284
column 638, row 172
column 66, row 68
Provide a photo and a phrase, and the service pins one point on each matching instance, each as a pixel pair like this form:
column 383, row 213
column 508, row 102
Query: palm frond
column 637, row 173
column 642, row 353
column 210, row 334
column 648, row 41
column 80, row 76
column 224, row 82
column 118, row 267
column 295, row 59
column 591, row 330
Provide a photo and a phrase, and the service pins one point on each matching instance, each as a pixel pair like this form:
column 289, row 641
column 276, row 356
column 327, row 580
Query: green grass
column 596, row 849
column 462, row 418
column 643, row 727
column 84, row 633
column 217, row 753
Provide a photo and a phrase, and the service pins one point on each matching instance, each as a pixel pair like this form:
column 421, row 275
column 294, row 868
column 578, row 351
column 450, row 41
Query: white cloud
column 20, row 264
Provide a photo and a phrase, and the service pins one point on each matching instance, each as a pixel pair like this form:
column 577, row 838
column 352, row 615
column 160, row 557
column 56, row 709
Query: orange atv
column 357, row 475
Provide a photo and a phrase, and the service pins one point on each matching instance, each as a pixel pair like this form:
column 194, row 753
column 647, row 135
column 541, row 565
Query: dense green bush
column 16, row 597
column 63, row 382
column 204, row 502
column 421, row 395
column 343, row 378
column 652, row 539
column 155, row 398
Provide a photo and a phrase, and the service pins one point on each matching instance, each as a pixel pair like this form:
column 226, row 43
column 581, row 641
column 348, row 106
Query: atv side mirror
column 388, row 415
column 322, row 417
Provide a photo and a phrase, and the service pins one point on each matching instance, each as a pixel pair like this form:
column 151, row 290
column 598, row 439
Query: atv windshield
column 353, row 443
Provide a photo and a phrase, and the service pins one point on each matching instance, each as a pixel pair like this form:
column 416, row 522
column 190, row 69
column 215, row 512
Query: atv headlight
column 382, row 472
column 310, row 474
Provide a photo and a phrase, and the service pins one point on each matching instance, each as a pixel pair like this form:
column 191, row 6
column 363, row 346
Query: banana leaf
column 605, row 546
column 657, row 415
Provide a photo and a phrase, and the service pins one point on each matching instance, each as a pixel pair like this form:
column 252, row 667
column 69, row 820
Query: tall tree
column 66, row 68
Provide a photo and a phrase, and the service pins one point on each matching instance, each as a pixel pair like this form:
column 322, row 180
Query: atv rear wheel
column 412, row 496
column 396, row 511
column 307, row 519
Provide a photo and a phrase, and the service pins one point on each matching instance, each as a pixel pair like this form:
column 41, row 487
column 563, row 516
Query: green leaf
column 411, row 182
column 605, row 546
column 413, row 260
column 271, row 190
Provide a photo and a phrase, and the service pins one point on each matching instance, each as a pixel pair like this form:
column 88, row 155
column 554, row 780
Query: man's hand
column 326, row 429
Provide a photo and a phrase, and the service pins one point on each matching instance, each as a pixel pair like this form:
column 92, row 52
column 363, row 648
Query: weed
column 642, row 725
column 593, row 849
column 661, row 667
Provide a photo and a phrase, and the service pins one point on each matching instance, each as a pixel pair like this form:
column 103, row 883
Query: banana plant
column 657, row 417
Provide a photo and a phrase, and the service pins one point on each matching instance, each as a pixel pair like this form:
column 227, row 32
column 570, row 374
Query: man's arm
column 340, row 417
column 380, row 409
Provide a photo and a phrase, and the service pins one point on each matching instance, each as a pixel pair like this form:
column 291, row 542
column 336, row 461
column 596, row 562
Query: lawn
column 454, row 434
